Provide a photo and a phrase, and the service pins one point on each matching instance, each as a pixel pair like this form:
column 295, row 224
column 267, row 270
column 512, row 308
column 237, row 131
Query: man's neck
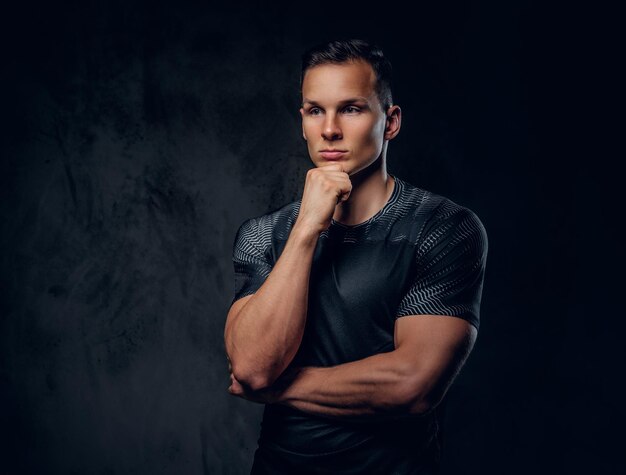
column 369, row 195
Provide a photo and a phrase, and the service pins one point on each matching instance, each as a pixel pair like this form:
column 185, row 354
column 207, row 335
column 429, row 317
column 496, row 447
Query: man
column 355, row 306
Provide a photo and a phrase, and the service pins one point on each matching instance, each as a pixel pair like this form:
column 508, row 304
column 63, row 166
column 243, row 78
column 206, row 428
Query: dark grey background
column 137, row 136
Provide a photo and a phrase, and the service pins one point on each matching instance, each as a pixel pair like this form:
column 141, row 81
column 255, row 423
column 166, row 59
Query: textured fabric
column 389, row 456
column 420, row 254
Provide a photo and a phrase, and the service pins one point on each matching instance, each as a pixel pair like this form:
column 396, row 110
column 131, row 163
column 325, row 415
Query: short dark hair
column 341, row 51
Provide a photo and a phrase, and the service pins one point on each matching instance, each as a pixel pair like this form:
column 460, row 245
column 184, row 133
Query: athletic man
column 355, row 306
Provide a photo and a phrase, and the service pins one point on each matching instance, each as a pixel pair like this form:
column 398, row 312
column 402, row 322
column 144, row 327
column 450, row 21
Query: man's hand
column 324, row 188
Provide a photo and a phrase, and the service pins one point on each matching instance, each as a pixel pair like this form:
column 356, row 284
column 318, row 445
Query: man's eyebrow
column 345, row 101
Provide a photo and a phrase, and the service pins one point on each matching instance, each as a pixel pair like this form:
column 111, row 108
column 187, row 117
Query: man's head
column 347, row 113
column 344, row 51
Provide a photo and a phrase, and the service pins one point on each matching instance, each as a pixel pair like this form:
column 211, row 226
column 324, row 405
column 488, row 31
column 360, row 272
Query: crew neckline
column 390, row 202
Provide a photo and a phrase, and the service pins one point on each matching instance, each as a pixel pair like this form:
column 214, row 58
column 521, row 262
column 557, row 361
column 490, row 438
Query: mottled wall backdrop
column 137, row 136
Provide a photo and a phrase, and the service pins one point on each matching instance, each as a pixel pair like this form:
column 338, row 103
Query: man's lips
column 332, row 154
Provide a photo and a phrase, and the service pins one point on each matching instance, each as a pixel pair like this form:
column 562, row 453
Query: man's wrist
column 305, row 234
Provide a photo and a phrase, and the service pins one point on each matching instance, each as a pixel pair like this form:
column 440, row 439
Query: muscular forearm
column 378, row 387
column 267, row 332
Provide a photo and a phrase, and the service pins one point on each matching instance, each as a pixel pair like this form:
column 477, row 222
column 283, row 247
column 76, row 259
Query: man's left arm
column 410, row 380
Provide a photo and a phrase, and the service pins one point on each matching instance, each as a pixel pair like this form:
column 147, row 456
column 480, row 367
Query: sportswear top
column 420, row 254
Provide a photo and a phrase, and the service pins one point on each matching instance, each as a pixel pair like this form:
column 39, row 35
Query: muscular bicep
column 432, row 349
column 234, row 310
column 251, row 266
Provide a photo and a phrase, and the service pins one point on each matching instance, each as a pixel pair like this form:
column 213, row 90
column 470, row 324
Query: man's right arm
column 264, row 330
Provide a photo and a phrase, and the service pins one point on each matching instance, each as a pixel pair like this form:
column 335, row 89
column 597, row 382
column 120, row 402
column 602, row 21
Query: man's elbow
column 247, row 373
column 416, row 399
column 253, row 380
column 253, row 376
column 420, row 407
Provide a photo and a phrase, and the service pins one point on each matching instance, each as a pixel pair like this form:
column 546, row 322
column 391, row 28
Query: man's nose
column 331, row 130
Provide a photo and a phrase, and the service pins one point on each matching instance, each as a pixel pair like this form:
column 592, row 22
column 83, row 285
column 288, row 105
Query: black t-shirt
column 420, row 254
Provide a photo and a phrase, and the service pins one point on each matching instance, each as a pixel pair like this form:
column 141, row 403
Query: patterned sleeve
column 451, row 263
column 250, row 262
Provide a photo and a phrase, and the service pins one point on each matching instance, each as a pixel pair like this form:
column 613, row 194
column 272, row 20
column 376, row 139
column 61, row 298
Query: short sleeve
column 250, row 263
column 450, row 263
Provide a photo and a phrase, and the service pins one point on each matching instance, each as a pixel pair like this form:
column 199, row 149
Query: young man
column 355, row 306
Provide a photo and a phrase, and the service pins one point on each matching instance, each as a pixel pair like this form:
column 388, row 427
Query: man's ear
column 302, row 115
column 393, row 122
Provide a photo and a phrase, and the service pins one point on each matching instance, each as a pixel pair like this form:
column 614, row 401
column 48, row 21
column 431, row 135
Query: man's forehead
column 339, row 82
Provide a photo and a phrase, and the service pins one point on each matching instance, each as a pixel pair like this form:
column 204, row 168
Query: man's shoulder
column 428, row 211
column 275, row 223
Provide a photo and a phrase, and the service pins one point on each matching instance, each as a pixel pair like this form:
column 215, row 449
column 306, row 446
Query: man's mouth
column 332, row 154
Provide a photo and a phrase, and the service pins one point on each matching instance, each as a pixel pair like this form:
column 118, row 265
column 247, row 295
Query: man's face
column 341, row 111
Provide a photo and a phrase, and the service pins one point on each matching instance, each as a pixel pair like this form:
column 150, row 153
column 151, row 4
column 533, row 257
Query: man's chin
column 344, row 164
